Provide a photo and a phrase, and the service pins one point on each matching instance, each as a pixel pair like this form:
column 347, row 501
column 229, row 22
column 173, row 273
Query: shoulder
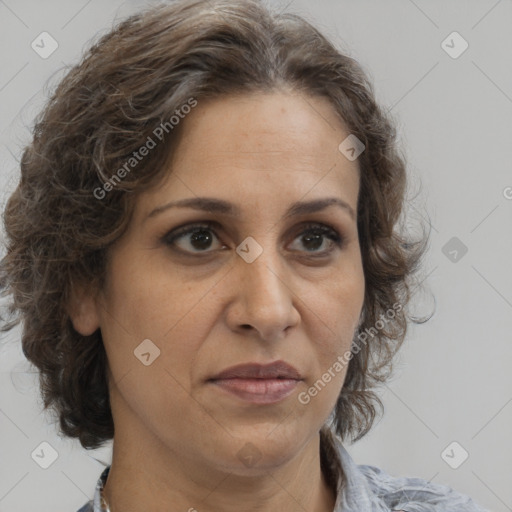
column 366, row 487
column 416, row 494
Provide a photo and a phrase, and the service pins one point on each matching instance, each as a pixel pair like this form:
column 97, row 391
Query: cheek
column 147, row 299
column 338, row 303
column 337, row 315
column 351, row 292
column 150, row 302
column 141, row 308
column 335, row 319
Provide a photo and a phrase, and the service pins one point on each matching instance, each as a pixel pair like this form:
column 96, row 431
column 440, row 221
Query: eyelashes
column 201, row 236
column 198, row 229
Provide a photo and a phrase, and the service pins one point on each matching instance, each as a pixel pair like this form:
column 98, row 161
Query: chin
column 264, row 449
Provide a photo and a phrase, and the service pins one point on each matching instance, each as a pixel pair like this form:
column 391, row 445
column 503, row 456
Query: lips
column 275, row 370
column 258, row 384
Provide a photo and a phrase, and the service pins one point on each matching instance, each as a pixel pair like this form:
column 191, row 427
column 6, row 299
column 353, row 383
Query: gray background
column 453, row 381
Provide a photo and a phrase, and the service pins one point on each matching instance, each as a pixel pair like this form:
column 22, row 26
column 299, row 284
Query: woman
column 202, row 248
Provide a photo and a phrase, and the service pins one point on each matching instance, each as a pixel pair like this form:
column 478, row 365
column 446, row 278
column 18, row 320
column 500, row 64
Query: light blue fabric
column 369, row 489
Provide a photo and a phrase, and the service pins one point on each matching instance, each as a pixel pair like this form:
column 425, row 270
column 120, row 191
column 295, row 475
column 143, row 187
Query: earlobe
column 83, row 310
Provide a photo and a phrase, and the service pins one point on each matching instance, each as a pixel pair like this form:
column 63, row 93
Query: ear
column 83, row 309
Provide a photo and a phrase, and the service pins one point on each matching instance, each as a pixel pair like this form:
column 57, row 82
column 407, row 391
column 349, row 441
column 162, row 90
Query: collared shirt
column 364, row 488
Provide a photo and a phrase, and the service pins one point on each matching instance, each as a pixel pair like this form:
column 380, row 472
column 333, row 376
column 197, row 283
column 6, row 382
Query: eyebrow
column 212, row 205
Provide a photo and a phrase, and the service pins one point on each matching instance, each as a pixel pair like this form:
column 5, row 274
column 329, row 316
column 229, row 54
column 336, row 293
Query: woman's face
column 263, row 280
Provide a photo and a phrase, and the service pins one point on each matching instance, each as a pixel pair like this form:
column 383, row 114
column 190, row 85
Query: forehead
column 275, row 145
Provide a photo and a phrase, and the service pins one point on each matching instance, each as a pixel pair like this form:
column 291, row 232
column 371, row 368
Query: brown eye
column 318, row 236
column 196, row 238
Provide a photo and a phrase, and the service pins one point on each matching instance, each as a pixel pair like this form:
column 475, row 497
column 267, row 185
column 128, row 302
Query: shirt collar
column 99, row 505
column 356, row 494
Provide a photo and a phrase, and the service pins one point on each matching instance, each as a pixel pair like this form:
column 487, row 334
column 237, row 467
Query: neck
column 151, row 476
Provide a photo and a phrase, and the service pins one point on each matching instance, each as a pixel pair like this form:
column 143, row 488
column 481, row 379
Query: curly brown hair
column 58, row 231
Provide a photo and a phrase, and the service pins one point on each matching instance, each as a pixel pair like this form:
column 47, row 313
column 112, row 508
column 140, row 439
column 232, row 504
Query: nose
column 264, row 297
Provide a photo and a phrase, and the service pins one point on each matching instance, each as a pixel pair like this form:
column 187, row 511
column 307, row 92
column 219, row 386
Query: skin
column 208, row 309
